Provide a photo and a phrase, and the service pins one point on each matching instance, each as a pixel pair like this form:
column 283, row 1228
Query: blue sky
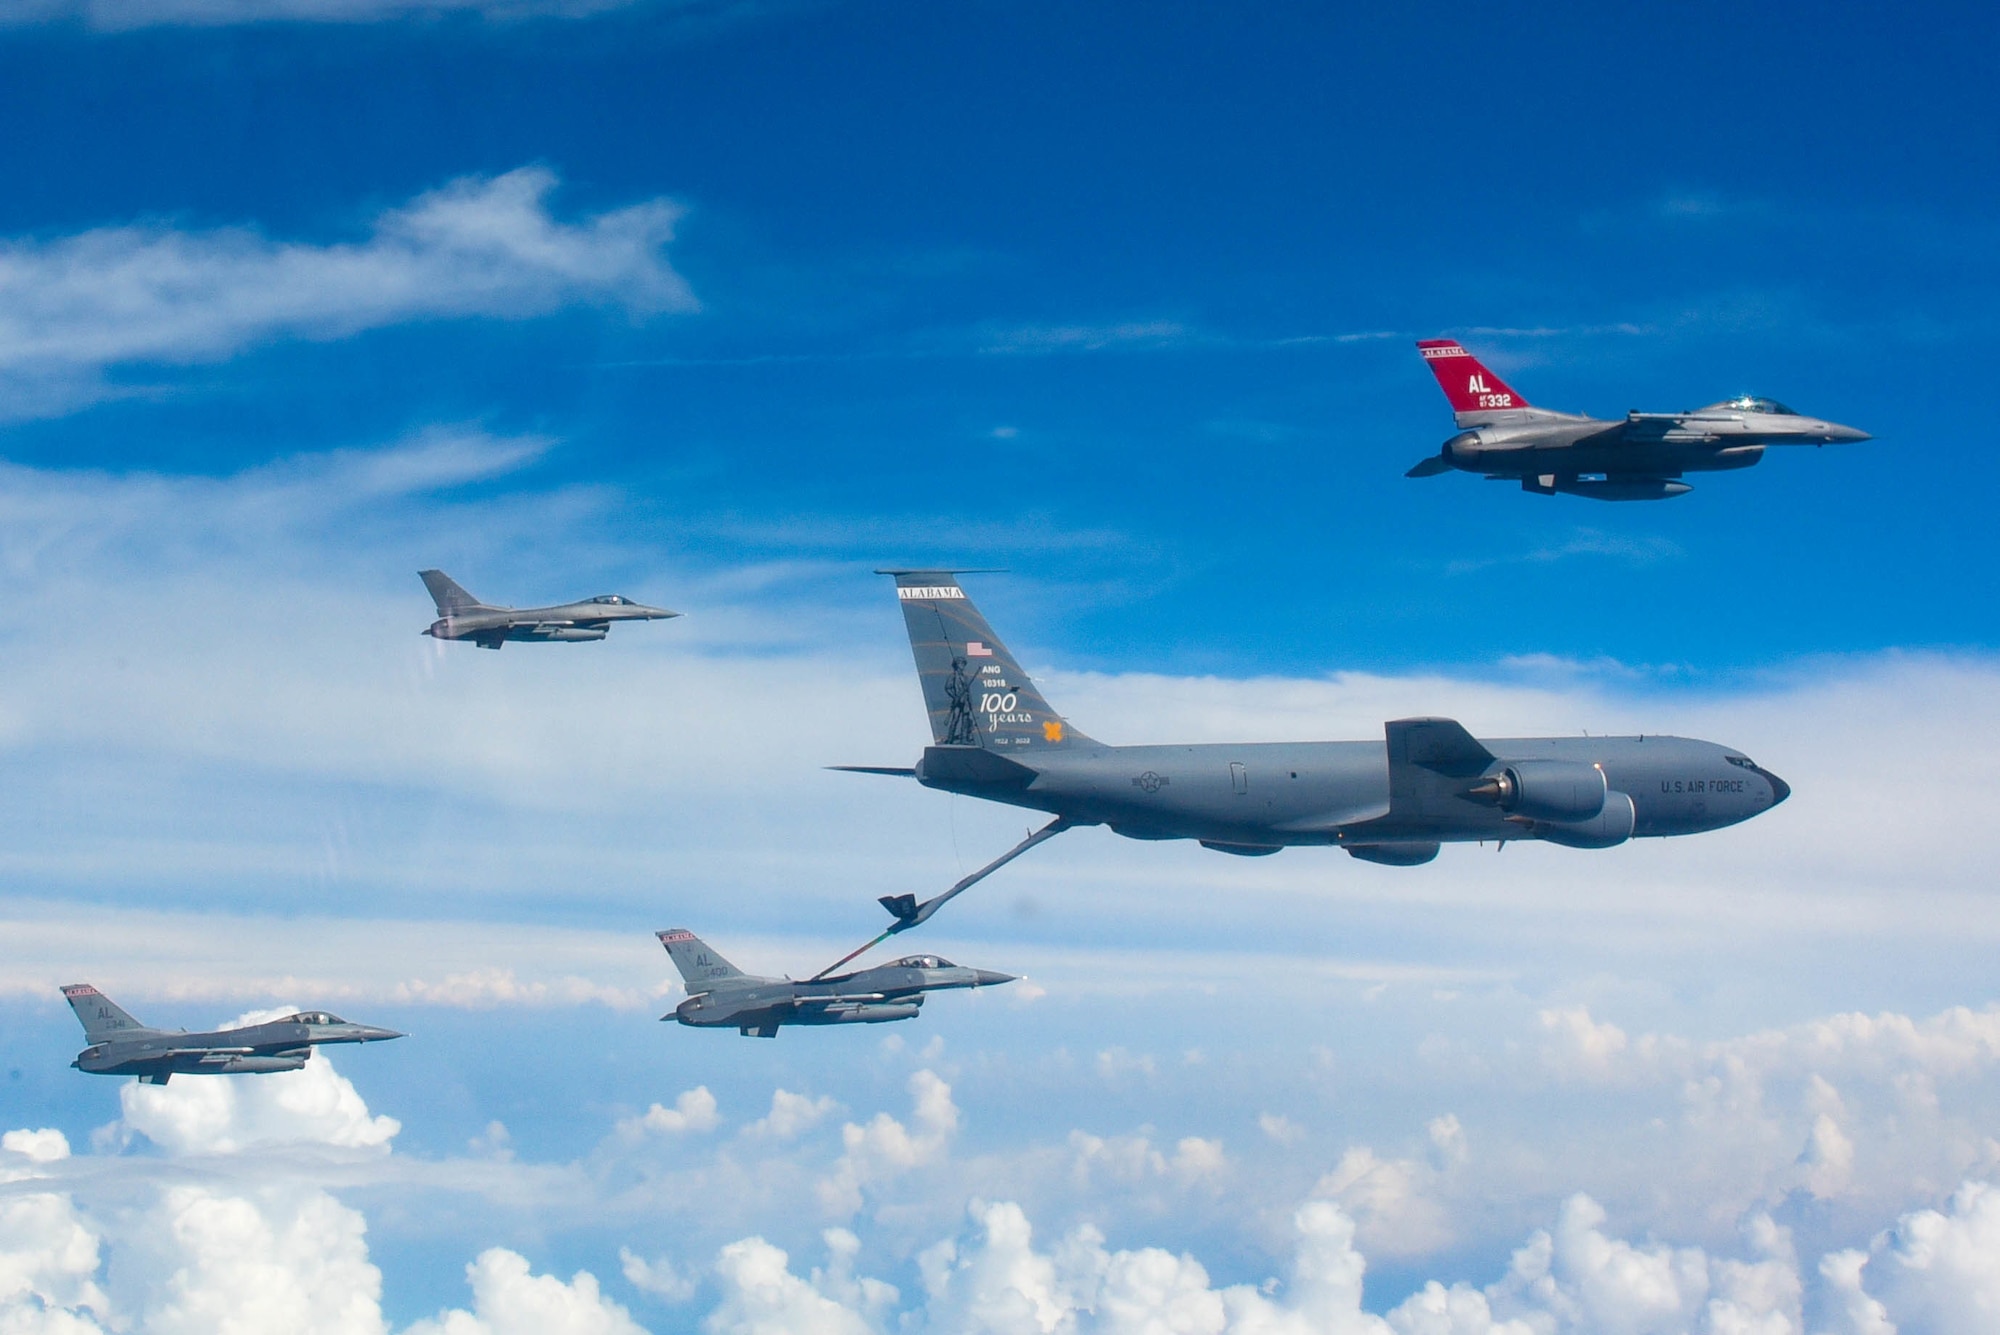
column 722, row 306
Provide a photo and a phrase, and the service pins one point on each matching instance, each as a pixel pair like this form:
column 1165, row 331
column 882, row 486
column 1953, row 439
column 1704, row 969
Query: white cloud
column 46, row 1145
column 48, row 1263
column 508, row 1299
column 885, row 1148
column 1116, row 1063
column 1196, row 1159
column 693, row 1112
column 659, row 1277
column 1828, row 1158
column 1938, row 1271
column 1577, row 1042
column 1594, row 1281
column 221, row 1114
column 1448, row 1147
column 276, row 1258
column 1391, row 1201
column 72, row 308
column 791, row 1114
column 1280, row 1128
column 761, row 1296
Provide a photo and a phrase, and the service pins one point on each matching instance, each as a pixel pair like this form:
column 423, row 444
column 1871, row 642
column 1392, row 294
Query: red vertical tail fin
column 1466, row 382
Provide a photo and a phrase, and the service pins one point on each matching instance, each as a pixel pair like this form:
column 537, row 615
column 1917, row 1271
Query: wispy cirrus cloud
column 1044, row 339
column 74, row 310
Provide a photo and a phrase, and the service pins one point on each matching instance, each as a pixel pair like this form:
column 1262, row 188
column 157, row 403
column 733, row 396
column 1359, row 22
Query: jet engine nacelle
column 1547, row 790
column 879, row 1013
column 1607, row 829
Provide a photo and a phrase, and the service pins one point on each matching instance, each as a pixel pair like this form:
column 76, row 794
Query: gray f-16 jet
column 489, row 625
column 120, row 1045
column 722, row 996
column 1428, row 782
column 1639, row 457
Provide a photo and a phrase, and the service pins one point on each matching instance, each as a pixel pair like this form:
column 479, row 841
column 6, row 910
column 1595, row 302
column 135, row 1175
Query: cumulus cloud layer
column 73, row 308
column 1571, row 1279
column 245, row 1238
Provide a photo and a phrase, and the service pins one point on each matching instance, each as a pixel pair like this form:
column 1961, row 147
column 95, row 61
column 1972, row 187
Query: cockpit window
column 1741, row 762
column 316, row 1017
column 924, row 962
column 1750, row 403
column 608, row 598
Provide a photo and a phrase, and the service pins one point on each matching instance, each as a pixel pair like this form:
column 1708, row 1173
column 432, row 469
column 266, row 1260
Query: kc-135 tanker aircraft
column 120, row 1045
column 1637, row 458
column 720, row 995
column 463, row 617
column 1428, row 783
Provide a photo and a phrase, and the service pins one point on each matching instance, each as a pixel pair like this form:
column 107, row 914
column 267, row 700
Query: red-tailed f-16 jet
column 1639, row 457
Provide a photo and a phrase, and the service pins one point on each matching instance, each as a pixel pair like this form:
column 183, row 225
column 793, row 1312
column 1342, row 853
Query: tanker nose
column 1780, row 790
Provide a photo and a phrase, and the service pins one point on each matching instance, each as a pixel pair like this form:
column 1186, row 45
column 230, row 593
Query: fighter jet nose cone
column 1780, row 790
column 380, row 1035
column 988, row 978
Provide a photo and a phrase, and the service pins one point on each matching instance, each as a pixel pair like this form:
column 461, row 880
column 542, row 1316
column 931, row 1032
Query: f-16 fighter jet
column 720, row 995
column 1640, row 457
column 463, row 617
column 1427, row 783
column 120, row 1045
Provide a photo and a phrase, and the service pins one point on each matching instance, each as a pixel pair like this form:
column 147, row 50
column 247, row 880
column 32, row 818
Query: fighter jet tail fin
column 447, row 593
column 974, row 688
column 101, row 1016
column 699, row 963
column 1475, row 393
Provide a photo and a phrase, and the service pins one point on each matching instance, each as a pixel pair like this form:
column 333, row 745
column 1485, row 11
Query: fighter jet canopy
column 611, row 598
column 924, row 962
column 314, row 1017
column 1751, row 403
